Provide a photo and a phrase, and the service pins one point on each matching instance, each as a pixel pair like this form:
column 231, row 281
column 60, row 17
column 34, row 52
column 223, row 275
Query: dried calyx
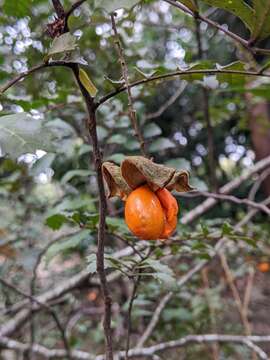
column 138, row 170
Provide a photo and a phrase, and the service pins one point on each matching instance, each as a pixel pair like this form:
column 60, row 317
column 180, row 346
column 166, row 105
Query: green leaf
column 21, row 134
column 117, row 158
column 112, row 5
column 238, row 7
column 56, row 221
column 151, row 130
column 261, row 20
column 117, row 139
column 42, row 164
column 87, row 83
column 73, row 173
column 18, row 9
column 161, row 144
column 63, row 43
column 190, row 4
column 226, row 229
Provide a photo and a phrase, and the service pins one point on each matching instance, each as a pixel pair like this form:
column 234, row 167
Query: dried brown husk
column 114, row 180
column 138, row 170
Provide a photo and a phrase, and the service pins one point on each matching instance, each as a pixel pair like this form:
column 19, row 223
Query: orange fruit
column 263, row 266
column 170, row 207
column 150, row 215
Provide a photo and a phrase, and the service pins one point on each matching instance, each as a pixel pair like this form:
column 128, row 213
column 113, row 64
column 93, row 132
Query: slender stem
column 73, row 7
column 174, row 74
column 47, row 308
column 129, row 323
column 58, row 7
column 91, row 126
column 110, row 95
column 207, row 117
column 131, row 110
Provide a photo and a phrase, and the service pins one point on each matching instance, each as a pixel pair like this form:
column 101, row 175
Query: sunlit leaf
column 63, row 43
column 55, row 222
column 21, row 134
column 151, row 130
column 69, row 175
column 161, row 144
column 42, row 164
column 87, row 83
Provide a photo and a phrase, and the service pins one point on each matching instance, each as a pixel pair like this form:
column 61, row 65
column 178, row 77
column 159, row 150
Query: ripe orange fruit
column 263, row 266
column 151, row 215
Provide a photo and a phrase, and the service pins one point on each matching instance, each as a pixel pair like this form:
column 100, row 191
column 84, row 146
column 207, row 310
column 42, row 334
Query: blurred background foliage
column 50, row 195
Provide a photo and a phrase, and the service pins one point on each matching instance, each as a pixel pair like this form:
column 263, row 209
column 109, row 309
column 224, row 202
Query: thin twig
column 249, row 286
column 206, row 114
column 170, row 75
column 235, row 37
column 47, row 308
column 131, row 110
column 129, row 323
column 92, row 129
column 205, row 278
column 224, row 190
column 73, row 8
column 234, row 199
column 237, row 299
column 257, row 184
column 173, row 74
column 167, row 104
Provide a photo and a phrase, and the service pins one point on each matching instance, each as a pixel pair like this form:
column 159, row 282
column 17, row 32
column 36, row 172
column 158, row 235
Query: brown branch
column 129, row 323
column 177, row 73
column 234, row 199
column 47, row 308
column 131, row 110
column 206, row 114
column 237, row 299
column 21, row 76
column 170, row 75
column 33, row 301
column 230, row 281
column 73, row 8
column 59, row 9
column 212, row 312
column 148, row 352
column 229, row 187
column 92, row 129
column 235, row 37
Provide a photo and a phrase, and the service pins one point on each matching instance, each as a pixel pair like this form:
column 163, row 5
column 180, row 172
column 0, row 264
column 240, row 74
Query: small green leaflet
column 87, row 83
column 189, row 4
column 21, row 134
column 56, row 221
column 112, row 5
column 62, row 44
column 261, row 20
